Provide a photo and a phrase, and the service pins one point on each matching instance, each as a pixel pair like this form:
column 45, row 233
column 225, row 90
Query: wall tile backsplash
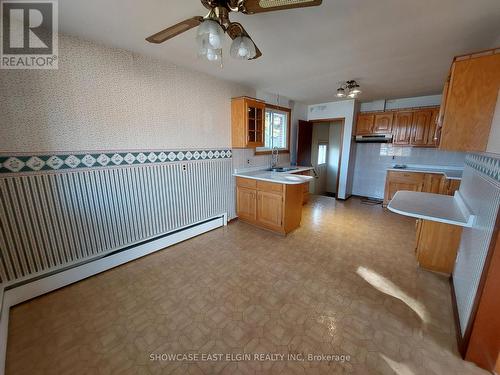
column 246, row 158
column 373, row 160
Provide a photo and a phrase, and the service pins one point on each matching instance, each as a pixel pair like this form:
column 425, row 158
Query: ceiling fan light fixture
column 210, row 34
column 350, row 89
column 243, row 48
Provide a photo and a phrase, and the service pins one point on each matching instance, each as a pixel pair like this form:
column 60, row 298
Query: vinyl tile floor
column 341, row 294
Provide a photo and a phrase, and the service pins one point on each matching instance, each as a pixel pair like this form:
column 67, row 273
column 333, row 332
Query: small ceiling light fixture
column 349, row 88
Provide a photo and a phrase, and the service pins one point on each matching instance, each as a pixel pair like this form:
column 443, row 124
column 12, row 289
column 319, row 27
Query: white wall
column 417, row 101
column 346, row 110
column 111, row 99
column 494, row 140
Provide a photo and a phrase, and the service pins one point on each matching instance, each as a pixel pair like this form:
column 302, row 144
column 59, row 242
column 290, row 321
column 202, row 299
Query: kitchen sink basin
column 282, row 169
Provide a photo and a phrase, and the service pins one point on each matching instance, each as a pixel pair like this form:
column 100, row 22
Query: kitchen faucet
column 274, row 157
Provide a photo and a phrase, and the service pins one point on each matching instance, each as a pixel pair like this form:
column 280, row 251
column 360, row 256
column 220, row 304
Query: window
column 276, row 129
column 322, row 150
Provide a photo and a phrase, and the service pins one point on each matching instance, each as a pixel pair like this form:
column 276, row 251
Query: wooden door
column 421, row 127
column 432, row 183
column 364, row 125
column 246, row 203
column 470, row 103
column 383, row 123
column 402, row 127
column 304, row 143
column 270, row 209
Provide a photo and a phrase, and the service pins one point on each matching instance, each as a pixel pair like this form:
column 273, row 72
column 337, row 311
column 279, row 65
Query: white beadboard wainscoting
column 480, row 189
column 62, row 224
column 373, row 160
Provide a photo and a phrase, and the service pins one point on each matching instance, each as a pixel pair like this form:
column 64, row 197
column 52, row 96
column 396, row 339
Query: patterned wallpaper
column 110, row 99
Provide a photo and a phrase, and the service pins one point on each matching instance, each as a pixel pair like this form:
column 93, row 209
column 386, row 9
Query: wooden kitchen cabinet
column 403, row 123
column 437, row 245
column 364, row 125
column 449, row 186
column 305, row 187
column 422, row 131
column 273, row 206
column 270, row 209
column 247, row 122
column 383, row 123
column 469, row 102
column 435, row 183
column 396, row 181
column 246, row 203
column 374, row 123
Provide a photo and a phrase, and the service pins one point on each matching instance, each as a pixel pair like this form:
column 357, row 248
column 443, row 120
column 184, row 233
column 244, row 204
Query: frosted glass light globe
column 210, row 34
column 243, row 48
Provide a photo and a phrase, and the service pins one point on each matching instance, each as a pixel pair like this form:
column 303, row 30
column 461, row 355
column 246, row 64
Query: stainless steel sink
column 282, row 169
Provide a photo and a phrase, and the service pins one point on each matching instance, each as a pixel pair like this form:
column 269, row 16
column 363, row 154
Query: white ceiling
column 394, row 48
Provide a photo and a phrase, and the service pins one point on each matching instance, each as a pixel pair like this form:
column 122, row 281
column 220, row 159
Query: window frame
column 289, row 116
column 326, row 153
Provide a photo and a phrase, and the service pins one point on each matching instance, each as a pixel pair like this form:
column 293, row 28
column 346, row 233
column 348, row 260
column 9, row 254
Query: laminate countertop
column 288, row 177
column 434, row 207
column 449, row 172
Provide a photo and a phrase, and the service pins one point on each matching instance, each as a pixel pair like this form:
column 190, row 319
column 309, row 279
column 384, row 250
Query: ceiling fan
column 216, row 23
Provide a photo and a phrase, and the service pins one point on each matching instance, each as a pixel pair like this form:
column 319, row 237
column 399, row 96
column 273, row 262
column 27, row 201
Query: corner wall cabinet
column 272, row 206
column 247, row 122
column 469, row 100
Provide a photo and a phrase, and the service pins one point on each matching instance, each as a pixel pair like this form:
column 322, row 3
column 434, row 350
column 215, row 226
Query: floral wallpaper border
column 69, row 161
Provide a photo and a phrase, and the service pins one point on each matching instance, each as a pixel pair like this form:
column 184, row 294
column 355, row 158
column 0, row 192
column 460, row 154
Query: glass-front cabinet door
column 247, row 122
column 255, row 123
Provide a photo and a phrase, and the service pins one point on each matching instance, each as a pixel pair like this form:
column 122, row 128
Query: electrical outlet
column 249, row 162
column 184, row 167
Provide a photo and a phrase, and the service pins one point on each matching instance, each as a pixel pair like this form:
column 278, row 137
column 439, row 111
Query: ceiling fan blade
column 175, row 30
column 235, row 29
column 260, row 6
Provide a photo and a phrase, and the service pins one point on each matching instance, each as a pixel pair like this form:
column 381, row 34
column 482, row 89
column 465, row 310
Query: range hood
column 375, row 138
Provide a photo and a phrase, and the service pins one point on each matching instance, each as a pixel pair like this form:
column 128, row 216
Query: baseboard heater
column 36, row 286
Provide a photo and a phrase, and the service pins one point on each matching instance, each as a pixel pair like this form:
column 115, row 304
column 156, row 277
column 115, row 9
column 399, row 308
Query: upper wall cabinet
column 469, row 100
column 364, row 125
column 409, row 127
column 383, row 123
column 402, row 128
column 374, row 123
column 423, row 128
column 247, row 122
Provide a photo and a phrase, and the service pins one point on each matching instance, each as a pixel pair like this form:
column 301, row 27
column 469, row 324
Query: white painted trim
column 47, row 284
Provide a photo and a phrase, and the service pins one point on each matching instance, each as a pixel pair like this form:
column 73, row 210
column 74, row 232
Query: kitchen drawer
column 246, row 183
column 270, row 187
